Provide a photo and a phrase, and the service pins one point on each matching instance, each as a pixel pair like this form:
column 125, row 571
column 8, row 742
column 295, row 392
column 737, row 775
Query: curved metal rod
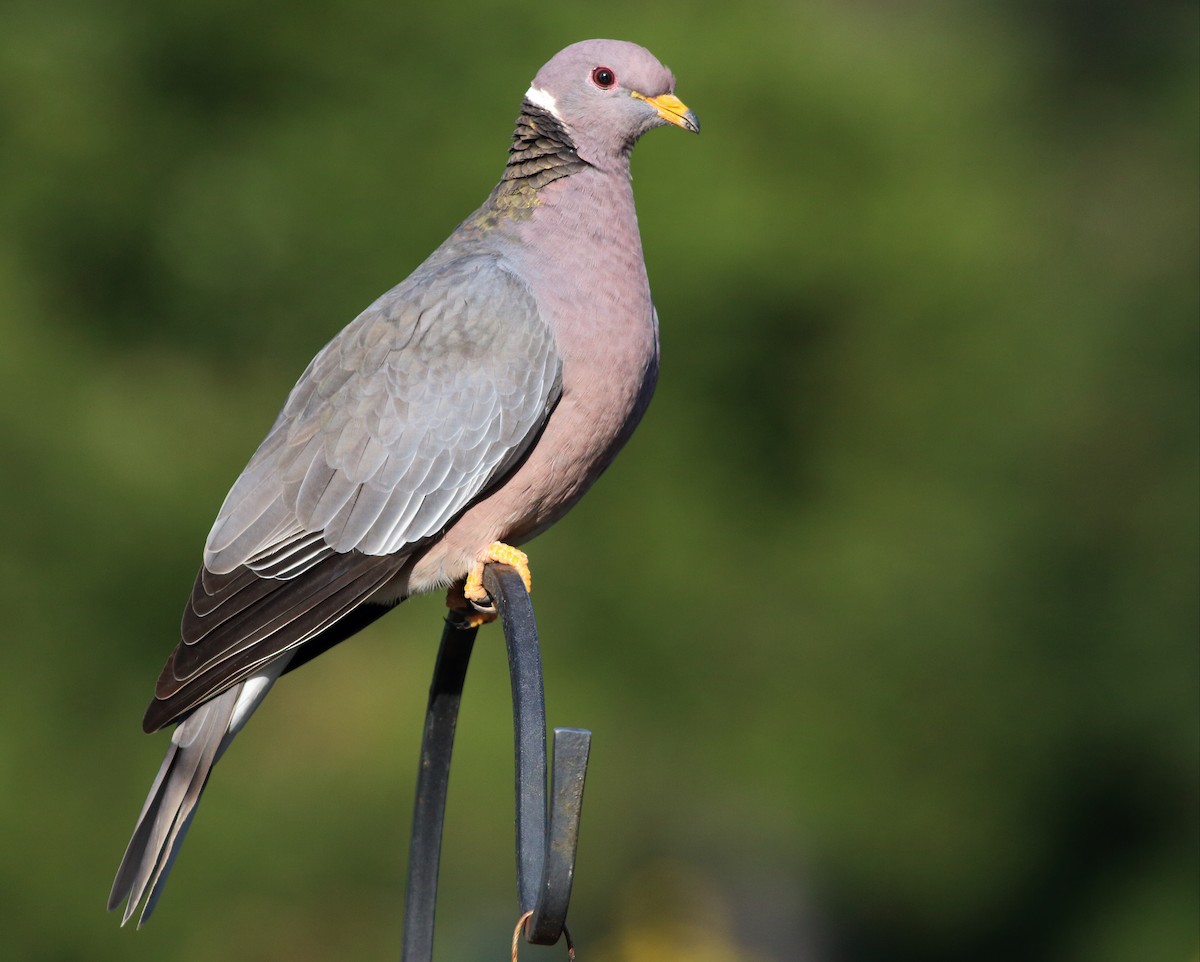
column 433, row 778
column 545, row 858
column 558, row 870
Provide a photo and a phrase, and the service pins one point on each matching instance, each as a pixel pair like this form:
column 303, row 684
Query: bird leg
column 469, row 603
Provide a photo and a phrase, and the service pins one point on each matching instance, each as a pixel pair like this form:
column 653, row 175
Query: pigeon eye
column 603, row 77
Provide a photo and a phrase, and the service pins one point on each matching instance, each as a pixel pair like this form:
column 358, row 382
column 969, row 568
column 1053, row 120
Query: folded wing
column 426, row 400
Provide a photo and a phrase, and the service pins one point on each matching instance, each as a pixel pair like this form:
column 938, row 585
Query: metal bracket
column 547, row 832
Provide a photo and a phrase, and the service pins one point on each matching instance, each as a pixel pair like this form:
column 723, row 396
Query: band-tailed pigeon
column 464, row 411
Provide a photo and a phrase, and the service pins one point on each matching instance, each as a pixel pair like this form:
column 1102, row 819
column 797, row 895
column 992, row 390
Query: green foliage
column 887, row 620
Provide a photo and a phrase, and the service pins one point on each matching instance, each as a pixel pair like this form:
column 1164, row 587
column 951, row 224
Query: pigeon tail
column 196, row 745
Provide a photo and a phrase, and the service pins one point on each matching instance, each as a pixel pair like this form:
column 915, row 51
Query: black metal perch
column 547, row 833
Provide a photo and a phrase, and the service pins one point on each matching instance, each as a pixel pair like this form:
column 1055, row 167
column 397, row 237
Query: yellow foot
column 469, row 603
column 503, row 554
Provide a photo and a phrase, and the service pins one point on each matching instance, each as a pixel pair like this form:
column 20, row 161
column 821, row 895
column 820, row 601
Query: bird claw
column 469, row 603
column 465, row 613
column 500, row 553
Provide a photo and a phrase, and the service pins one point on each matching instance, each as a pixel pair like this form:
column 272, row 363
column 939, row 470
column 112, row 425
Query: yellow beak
column 672, row 110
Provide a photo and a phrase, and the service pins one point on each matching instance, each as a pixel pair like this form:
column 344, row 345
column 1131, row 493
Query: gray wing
column 398, row 425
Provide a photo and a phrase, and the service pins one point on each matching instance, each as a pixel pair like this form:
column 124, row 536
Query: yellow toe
column 500, row 553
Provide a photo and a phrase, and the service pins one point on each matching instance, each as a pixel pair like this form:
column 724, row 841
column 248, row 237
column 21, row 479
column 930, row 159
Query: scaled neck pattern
column 542, row 152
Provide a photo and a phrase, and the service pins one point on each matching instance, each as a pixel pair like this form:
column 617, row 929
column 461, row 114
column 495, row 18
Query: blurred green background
column 886, row 621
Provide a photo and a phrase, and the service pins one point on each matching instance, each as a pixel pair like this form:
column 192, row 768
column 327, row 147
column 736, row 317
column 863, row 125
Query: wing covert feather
column 401, row 420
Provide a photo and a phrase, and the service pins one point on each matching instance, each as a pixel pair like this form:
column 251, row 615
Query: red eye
column 603, row 77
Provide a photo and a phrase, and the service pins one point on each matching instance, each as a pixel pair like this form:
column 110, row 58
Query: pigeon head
column 606, row 94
